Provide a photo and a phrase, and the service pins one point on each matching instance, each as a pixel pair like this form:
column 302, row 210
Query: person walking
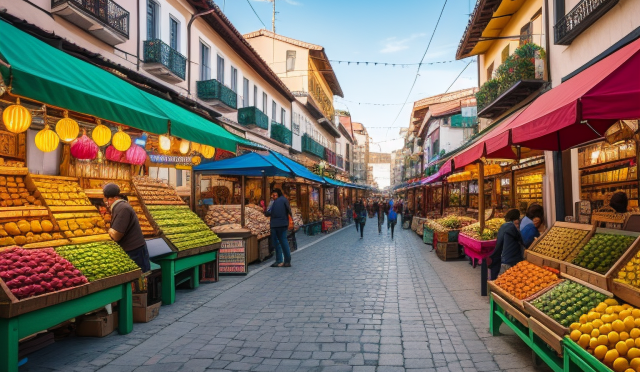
column 392, row 219
column 389, row 208
column 362, row 217
column 279, row 210
column 356, row 217
column 381, row 215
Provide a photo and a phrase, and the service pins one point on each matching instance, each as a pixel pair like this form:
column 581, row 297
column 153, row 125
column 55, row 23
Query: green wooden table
column 578, row 359
column 15, row 328
column 176, row 270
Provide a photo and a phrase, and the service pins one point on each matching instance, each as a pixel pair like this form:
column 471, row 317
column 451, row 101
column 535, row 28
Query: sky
column 376, row 31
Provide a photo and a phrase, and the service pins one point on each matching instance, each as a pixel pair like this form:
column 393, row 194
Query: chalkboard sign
column 233, row 256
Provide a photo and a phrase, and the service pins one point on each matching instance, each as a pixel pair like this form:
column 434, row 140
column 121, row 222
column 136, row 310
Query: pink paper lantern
column 114, row 155
column 136, row 155
column 84, row 148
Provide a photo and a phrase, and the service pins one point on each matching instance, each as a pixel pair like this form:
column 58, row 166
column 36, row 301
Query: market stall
column 527, row 176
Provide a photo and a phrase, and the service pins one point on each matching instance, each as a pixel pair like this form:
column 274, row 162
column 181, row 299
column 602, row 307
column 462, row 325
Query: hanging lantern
column 121, row 141
column 16, row 118
column 84, row 148
column 67, row 128
column 114, row 155
column 101, row 134
column 621, row 131
column 164, row 142
column 184, row 146
column 47, row 140
column 196, row 160
column 207, row 151
column 195, row 147
column 136, row 155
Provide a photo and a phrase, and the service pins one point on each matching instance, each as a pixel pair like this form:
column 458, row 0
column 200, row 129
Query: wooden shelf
column 608, row 183
column 586, row 167
column 528, row 184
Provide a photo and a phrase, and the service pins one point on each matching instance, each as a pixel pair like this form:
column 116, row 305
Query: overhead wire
column 458, row 77
column 254, row 12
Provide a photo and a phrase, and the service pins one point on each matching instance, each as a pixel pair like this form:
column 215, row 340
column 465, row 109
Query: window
column 264, row 102
column 255, row 96
column 178, row 177
column 490, row 72
column 220, row 67
column 152, row 20
column 505, row 53
column 291, row 60
column 205, row 69
column 283, row 115
column 273, row 110
column 245, row 92
column 234, row 79
column 173, row 33
column 526, row 33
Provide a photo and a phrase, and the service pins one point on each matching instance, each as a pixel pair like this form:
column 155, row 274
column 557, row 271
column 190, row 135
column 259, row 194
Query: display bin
column 427, row 235
column 447, row 251
column 578, row 359
column 476, row 249
column 542, row 260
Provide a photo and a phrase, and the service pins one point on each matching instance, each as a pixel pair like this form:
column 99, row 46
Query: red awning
column 444, row 170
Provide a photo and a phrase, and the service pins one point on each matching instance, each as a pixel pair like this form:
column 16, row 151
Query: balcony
column 339, row 162
column 309, row 145
column 253, row 118
column 216, row 94
column 164, row 62
column 280, row 133
column 583, row 15
column 517, row 78
column 104, row 19
column 347, row 166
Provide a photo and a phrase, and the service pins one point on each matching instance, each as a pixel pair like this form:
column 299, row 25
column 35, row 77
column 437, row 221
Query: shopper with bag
column 281, row 218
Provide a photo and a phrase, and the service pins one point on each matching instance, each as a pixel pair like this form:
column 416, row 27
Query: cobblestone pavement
column 345, row 305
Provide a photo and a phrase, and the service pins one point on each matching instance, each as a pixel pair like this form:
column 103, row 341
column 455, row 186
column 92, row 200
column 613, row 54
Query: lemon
column 624, row 336
column 606, row 318
column 603, row 340
column 575, row 326
column 584, row 341
column 583, row 319
column 617, row 309
column 614, row 337
column 627, row 307
column 618, row 326
column 630, row 343
column 635, row 313
column 637, row 342
column 593, row 342
column 593, row 315
column 622, row 348
column 575, row 335
column 597, row 323
column 620, row 364
column 625, row 313
column 610, row 302
column 633, row 353
column 629, row 323
column 613, row 317
column 600, row 351
column 630, row 370
column 634, row 333
column 635, row 363
column 609, row 310
column 595, row 333
column 602, row 307
column 586, row 328
column 610, row 356
column 605, row 329
column 637, row 322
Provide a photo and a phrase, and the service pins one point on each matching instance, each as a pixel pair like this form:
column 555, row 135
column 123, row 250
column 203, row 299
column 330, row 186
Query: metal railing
column 312, row 147
column 252, row 116
column 213, row 89
column 156, row 51
column 106, row 11
column 280, row 133
column 583, row 15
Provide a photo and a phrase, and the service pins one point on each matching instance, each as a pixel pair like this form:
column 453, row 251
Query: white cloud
column 292, row 2
column 393, row 44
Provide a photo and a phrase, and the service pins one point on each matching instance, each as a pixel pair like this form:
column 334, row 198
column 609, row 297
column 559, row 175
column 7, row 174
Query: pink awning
column 443, row 171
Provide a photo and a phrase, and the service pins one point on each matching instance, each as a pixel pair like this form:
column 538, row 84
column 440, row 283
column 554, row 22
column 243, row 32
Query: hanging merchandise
column 164, row 142
column 196, row 160
column 101, row 134
column 17, row 118
column 195, row 147
column 207, row 151
column 113, row 154
column 84, row 148
column 67, row 128
column 184, row 147
column 47, row 140
column 136, row 155
column 121, row 141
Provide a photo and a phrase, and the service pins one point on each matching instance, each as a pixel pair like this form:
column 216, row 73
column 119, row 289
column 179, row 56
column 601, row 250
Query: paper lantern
column 84, row 148
column 16, row 118
column 101, row 134
column 196, row 160
column 195, row 147
column 136, row 155
column 67, row 128
column 114, row 155
column 121, row 141
column 164, row 142
column 207, row 151
column 184, row 147
column 47, row 140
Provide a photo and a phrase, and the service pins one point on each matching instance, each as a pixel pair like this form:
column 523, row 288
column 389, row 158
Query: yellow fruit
column 613, row 337
column 575, row 335
column 586, row 328
column 617, row 309
column 625, row 313
column 633, row 353
column 597, row 323
column 575, row 326
column 610, row 302
column 620, row 365
column 635, row 313
column 593, row 315
column 601, row 307
column 630, row 343
column 583, row 319
column 635, row 363
column 629, row 323
column 600, row 351
column 613, row 317
column 610, row 356
column 634, row 333
column 595, row 333
column 606, row 318
column 622, row 348
column 603, row 340
column 605, row 329
column 618, row 326
column 637, row 342
column 624, row 336
column 584, row 341
column 609, row 310
column 637, row 322
column 593, row 342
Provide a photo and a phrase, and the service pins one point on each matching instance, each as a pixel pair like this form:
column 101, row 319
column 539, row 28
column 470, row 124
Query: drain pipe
column 193, row 18
column 138, row 43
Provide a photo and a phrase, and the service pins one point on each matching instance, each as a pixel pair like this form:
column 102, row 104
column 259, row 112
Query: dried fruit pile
column 602, row 251
column 13, row 192
column 24, row 232
column 58, row 192
column 182, row 227
column 525, row 279
column 560, row 242
column 98, row 260
column 434, row 226
column 630, row 272
column 490, row 231
column 32, row 272
column 567, row 302
column 153, row 191
column 455, row 222
column 331, row 211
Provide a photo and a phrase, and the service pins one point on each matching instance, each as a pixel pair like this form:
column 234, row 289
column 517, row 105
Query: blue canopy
column 250, row 164
column 298, row 169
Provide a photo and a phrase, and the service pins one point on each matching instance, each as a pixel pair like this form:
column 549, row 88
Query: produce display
column 60, row 192
column 525, row 279
column 32, row 272
column 630, row 272
column 602, row 251
column 435, row 226
column 560, row 242
column 223, row 215
column 24, row 231
column 183, row 228
column 568, row 302
column 14, row 192
column 226, row 228
column 331, row 211
column 455, row 222
column 611, row 333
column 490, row 231
column 153, row 191
column 98, row 260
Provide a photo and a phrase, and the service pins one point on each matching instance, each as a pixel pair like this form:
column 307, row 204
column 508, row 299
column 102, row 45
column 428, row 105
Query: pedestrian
column 362, row 217
column 381, row 216
column 280, row 211
column 125, row 227
column 534, row 210
column 531, row 231
column 389, row 209
column 509, row 246
column 392, row 219
column 356, row 207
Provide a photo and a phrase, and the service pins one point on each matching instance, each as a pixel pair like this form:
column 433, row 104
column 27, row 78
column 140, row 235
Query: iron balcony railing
column 156, row 51
column 312, row 147
column 213, row 89
column 106, row 11
column 280, row 133
column 583, row 15
column 253, row 118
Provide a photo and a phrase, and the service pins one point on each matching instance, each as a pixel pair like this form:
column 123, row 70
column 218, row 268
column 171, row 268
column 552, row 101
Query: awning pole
column 481, row 195
column 242, row 202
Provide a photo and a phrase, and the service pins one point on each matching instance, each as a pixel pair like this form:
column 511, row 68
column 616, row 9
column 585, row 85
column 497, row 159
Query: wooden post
column 242, row 201
column 481, row 195
column 265, row 191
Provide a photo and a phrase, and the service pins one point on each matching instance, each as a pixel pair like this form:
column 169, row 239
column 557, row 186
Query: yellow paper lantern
column 67, row 128
column 101, row 134
column 196, row 160
column 16, row 118
column 207, row 151
column 184, row 147
column 195, row 147
column 164, row 142
column 47, row 140
column 121, row 141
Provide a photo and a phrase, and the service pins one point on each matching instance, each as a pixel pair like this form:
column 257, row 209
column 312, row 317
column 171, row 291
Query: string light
column 389, row 64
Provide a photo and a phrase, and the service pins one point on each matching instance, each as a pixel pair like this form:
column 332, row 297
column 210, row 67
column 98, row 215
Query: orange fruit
column 622, row 348
column 600, row 351
column 610, row 356
column 620, row 364
column 575, row 335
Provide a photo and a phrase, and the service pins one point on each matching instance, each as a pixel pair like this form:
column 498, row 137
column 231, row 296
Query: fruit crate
column 209, row 272
column 447, row 251
column 427, row 235
column 543, row 260
column 624, row 291
column 603, row 281
column 578, row 359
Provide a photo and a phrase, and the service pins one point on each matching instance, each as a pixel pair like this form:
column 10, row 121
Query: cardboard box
column 139, row 300
column 147, row 313
column 97, row 324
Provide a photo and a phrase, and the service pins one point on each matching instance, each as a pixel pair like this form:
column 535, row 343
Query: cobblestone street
column 345, row 305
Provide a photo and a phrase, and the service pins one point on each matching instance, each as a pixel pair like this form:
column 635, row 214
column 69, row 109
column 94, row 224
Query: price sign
column 233, row 256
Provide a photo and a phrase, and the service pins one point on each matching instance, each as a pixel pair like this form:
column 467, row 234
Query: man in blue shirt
column 279, row 210
column 509, row 248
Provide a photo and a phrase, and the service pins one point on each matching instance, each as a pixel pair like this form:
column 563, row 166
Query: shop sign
column 171, row 159
column 528, row 164
column 232, row 256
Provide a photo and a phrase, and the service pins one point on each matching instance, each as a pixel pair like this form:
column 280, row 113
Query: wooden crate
column 542, row 260
column 509, row 309
column 546, row 335
column 519, row 304
column 626, row 292
column 447, row 251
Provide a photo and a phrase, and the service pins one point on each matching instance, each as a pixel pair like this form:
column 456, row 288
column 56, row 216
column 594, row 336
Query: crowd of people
column 378, row 208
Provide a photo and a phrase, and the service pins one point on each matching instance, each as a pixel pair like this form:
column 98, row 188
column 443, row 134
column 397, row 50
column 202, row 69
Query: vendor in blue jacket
column 509, row 247
column 279, row 210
